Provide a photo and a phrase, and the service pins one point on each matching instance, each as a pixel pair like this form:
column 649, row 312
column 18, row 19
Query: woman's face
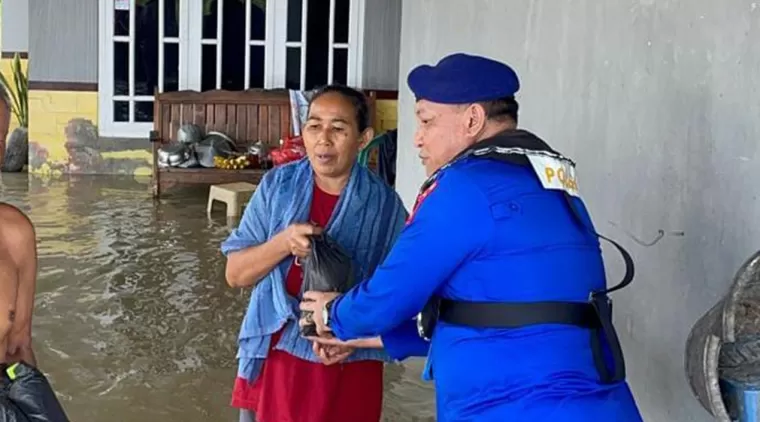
column 331, row 135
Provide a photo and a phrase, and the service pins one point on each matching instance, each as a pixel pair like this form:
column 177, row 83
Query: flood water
column 133, row 320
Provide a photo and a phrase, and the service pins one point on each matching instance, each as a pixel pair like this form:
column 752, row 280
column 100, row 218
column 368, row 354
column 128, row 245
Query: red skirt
column 290, row 389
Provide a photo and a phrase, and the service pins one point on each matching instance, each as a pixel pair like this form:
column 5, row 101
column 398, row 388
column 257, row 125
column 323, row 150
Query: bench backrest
column 245, row 116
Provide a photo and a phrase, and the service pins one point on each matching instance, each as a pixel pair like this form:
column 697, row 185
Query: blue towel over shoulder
column 366, row 221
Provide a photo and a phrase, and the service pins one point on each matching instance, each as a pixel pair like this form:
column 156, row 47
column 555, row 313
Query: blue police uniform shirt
column 488, row 231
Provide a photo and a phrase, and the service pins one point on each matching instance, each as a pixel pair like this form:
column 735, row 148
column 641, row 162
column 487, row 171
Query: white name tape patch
column 555, row 174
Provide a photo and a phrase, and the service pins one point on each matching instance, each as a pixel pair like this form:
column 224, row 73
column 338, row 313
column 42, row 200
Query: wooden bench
column 245, row 116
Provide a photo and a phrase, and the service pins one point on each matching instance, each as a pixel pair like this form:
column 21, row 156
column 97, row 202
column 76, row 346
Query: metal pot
column 216, row 144
column 189, row 134
column 173, row 155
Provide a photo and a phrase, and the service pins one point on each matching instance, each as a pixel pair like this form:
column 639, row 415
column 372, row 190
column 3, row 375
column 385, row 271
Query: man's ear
column 476, row 119
column 366, row 138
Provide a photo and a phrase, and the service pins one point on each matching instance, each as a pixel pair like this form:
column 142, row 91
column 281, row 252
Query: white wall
column 659, row 102
column 15, row 26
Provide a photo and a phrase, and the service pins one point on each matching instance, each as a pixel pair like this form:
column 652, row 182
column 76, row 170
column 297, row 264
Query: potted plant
column 17, row 148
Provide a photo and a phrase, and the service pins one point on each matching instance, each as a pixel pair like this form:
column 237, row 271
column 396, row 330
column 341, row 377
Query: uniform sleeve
column 450, row 226
column 404, row 342
column 253, row 229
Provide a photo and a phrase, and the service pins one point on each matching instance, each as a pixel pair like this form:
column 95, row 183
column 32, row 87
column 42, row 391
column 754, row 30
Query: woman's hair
column 355, row 97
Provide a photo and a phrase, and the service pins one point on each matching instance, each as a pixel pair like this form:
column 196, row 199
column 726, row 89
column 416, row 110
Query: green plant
column 18, row 91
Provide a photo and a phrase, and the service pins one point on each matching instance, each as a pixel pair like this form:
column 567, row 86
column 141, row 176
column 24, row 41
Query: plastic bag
column 292, row 149
column 26, row 395
column 327, row 268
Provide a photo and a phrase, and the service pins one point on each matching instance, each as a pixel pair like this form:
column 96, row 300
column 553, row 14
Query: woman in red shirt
column 286, row 387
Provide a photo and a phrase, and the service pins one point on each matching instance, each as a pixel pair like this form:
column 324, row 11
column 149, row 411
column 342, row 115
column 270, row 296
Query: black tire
column 740, row 353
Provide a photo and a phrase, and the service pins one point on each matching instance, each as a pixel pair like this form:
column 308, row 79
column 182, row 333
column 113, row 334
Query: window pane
column 143, row 111
column 208, row 67
column 146, row 49
column 233, row 45
column 210, row 18
column 258, row 19
column 317, row 34
column 121, row 68
column 340, row 34
column 340, row 66
column 120, row 22
column 257, row 66
column 121, row 111
column 171, row 18
column 293, row 68
column 294, row 19
column 171, row 67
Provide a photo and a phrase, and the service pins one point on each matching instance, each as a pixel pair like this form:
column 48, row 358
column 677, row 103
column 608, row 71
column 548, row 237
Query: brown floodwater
column 133, row 320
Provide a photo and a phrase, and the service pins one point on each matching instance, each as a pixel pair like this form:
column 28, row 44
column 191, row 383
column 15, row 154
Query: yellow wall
column 386, row 115
column 49, row 114
column 5, row 68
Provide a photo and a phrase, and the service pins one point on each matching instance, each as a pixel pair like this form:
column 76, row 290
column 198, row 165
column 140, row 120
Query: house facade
column 94, row 65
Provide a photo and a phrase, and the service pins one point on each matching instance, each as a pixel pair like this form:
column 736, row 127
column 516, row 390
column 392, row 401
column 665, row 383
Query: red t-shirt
column 290, row 389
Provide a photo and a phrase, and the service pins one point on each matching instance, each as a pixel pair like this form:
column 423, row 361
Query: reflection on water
column 133, row 320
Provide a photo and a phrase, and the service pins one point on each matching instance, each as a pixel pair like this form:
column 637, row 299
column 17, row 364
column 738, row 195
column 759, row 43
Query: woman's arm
column 251, row 252
column 248, row 266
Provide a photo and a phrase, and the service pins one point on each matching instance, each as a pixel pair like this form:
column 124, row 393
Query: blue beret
column 462, row 79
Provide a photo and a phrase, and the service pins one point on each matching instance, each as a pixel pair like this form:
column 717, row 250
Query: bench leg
column 156, row 189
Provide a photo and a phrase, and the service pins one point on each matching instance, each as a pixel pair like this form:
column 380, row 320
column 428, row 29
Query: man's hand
column 315, row 302
column 330, row 355
column 20, row 346
column 296, row 238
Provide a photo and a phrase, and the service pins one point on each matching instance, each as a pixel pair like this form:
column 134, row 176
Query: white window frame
column 354, row 46
column 190, row 47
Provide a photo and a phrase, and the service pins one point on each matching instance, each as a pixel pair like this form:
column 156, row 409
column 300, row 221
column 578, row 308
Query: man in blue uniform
column 502, row 259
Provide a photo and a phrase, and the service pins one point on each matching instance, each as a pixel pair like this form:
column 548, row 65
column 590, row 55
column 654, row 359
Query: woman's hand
column 296, row 238
column 363, row 343
column 330, row 355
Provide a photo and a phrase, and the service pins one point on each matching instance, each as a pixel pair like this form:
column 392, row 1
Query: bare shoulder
column 15, row 226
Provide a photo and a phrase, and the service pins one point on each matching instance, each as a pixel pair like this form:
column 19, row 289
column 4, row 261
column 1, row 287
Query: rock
column 16, row 151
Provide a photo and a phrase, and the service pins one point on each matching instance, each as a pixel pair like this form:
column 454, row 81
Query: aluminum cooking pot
column 173, row 155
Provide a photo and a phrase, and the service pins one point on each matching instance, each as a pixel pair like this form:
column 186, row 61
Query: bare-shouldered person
column 18, row 274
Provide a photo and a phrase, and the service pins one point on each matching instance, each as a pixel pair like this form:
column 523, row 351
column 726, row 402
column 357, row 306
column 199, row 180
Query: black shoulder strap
column 629, row 266
column 512, row 146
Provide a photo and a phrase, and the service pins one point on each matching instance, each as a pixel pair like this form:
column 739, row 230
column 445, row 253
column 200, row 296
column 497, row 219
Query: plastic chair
column 363, row 157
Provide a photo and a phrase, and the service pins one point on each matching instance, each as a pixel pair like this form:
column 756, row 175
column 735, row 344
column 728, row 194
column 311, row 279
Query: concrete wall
column 658, row 101
column 382, row 35
column 15, row 26
column 65, row 48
